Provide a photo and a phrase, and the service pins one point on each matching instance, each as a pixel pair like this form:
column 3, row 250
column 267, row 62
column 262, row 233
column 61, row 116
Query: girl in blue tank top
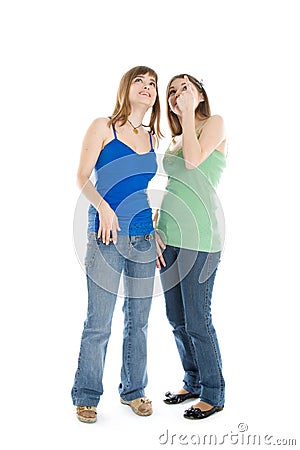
column 121, row 241
column 122, row 177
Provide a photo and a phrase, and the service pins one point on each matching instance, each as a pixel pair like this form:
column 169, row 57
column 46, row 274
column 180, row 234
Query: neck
column 137, row 115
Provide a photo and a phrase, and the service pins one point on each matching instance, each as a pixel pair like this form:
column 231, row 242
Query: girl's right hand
column 186, row 100
column 109, row 224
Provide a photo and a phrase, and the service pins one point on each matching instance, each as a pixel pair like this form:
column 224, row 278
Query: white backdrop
column 61, row 65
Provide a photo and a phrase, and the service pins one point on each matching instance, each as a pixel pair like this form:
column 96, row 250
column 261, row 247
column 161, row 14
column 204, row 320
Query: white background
column 61, row 65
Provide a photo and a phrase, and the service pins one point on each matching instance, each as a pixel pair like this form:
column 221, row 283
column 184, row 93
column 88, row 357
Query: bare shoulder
column 215, row 120
column 215, row 124
column 99, row 125
column 98, row 133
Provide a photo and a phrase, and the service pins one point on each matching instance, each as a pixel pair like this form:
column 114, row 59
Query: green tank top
column 191, row 215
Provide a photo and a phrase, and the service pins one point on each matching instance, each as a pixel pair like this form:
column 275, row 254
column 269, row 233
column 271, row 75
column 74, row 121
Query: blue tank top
column 121, row 178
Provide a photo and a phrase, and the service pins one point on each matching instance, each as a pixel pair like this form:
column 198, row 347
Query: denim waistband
column 149, row 236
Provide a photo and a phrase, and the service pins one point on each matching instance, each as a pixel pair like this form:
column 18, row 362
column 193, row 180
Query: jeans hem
column 191, row 390
column 85, row 402
column 132, row 396
column 210, row 402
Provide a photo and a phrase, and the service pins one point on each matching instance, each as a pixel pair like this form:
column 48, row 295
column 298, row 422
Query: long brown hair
column 203, row 109
column 122, row 107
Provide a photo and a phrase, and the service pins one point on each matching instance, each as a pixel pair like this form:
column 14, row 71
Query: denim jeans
column 134, row 257
column 188, row 280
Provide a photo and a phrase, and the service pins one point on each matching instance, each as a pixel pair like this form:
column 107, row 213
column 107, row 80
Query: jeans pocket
column 145, row 248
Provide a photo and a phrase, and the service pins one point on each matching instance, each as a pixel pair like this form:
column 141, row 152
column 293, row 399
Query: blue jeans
column 134, row 257
column 188, row 280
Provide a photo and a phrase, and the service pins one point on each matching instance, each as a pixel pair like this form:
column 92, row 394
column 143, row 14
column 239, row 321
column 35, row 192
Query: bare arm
column 92, row 145
column 196, row 150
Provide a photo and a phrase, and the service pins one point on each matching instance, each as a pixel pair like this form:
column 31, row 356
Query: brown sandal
column 141, row 406
column 91, row 415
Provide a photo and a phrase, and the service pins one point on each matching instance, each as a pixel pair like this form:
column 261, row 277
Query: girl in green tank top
column 190, row 231
column 191, row 215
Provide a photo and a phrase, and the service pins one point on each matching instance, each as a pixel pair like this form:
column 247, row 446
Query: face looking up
column 143, row 90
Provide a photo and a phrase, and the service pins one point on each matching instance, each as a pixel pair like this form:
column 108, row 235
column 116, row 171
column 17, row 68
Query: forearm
column 91, row 193
column 191, row 147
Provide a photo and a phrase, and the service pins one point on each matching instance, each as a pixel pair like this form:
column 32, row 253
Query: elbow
column 190, row 165
column 81, row 180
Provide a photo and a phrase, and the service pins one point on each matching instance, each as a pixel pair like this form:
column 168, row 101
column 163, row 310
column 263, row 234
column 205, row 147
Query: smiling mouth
column 145, row 93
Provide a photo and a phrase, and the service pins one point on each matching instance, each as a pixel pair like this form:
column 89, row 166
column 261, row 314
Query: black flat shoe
column 175, row 399
column 196, row 413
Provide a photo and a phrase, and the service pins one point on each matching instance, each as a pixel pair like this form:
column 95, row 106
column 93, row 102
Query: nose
column 146, row 86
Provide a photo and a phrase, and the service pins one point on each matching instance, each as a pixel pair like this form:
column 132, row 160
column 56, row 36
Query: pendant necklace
column 135, row 129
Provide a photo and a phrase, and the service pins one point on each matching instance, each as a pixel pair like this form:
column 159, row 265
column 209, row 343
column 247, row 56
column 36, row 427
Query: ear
column 201, row 97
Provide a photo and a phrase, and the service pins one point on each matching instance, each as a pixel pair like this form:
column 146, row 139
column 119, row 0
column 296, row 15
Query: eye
column 137, row 80
column 171, row 92
column 152, row 83
column 184, row 88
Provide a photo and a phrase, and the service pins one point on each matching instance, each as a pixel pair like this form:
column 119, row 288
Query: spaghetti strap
column 115, row 133
column 150, row 139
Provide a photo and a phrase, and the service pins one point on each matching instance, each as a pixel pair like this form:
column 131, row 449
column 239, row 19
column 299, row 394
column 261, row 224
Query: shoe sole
column 87, row 419
column 201, row 418
column 182, row 401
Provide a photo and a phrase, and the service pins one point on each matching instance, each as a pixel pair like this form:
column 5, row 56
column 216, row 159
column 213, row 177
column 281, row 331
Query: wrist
column 102, row 205
column 188, row 125
column 188, row 117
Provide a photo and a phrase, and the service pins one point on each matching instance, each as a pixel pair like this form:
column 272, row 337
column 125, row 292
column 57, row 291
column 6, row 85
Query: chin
column 147, row 104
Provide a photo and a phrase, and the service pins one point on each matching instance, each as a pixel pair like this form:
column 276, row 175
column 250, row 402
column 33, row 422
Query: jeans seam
column 128, row 348
column 93, row 249
column 207, row 326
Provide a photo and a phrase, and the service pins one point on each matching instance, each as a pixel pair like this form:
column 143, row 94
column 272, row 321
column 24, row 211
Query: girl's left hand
column 160, row 247
column 186, row 100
